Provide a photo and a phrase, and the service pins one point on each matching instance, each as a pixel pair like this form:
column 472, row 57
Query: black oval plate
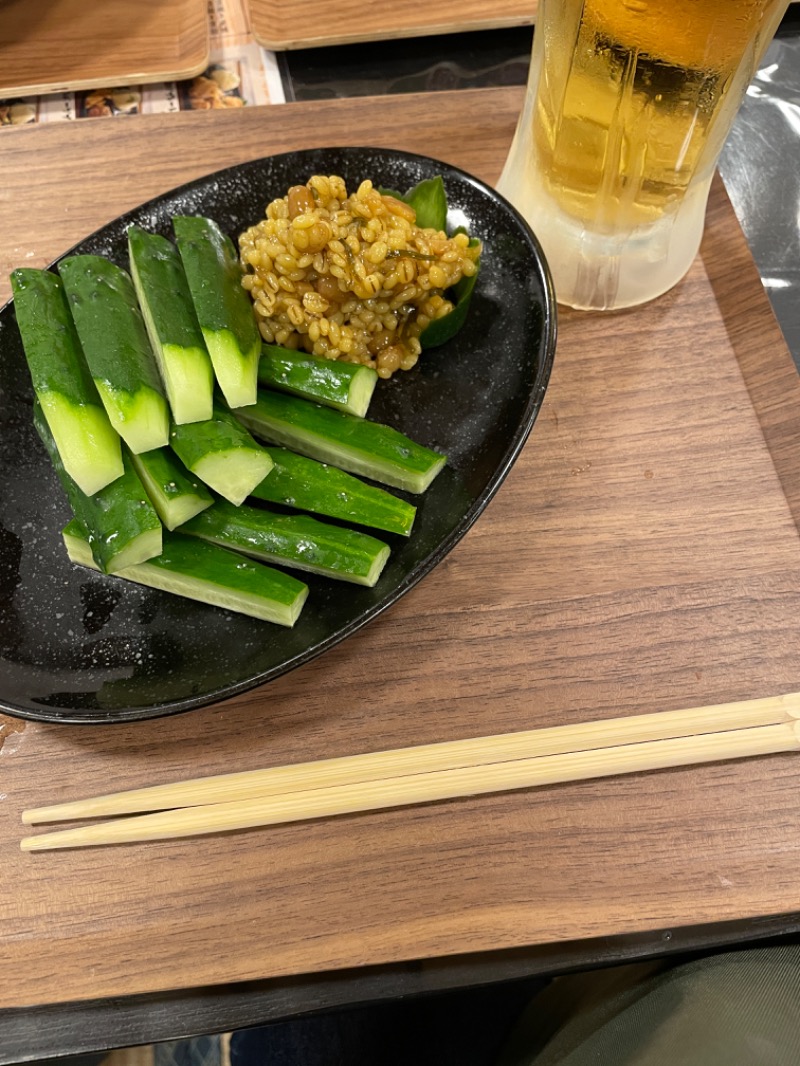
column 78, row 647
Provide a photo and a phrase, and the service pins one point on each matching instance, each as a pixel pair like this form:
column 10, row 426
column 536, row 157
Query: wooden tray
column 58, row 45
column 282, row 25
column 642, row 555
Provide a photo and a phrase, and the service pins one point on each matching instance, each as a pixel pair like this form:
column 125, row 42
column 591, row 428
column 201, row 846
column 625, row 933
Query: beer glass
column 628, row 106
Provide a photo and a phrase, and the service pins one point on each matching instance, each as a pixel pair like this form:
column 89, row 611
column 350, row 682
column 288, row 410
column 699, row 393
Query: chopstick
column 425, row 758
column 427, row 787
column 434, row 772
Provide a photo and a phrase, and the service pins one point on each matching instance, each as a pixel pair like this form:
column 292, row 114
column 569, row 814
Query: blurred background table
column 761, row 176
column 57, row 45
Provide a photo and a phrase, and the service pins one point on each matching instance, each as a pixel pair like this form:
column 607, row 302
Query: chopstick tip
column 42, row 842
column 60, row 812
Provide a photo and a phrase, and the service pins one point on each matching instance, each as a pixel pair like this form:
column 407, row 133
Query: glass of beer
column 629, row 103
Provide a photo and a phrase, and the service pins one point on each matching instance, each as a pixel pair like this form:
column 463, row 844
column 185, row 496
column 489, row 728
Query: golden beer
column 629, row 104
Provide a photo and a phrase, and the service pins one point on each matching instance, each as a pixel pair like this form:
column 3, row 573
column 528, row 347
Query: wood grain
column 643, row 555
column 283, row 25
column 58, row 45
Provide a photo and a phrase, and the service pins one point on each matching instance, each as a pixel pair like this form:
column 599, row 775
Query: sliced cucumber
column 224, row 309
column 297, row 481
column 175, row 494
column 122, row 526
column 345, row 386
column 200, row 571
column 172, row 326
column 114, row 339
column 222, row 453
column 293, row 540
column 354, row 444
column 89, row 448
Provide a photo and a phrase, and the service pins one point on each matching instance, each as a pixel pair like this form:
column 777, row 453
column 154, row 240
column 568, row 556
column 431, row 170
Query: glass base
column 602, row 272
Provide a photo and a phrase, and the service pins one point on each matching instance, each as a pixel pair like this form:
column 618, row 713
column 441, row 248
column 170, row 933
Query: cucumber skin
column 203, row 569
column 163, row 279
column 221, row 433
column 215, row 280
column 294, row 541
column 62, row 381
column 112, row 331
column 171, row 323
column 345, row 386
column 109, row 323
column 52, row 348
column 114, row 517
column 223, row 454
column 297, row 481
column 353, row 444
column 172, row 485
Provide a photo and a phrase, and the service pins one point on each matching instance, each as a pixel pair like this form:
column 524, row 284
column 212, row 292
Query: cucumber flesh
column 345, row 386
column 175, row 494
column 297, row 481
column 297, row 541
column 223, row 454
column 200, row 571
column 114, row 339
column 140, row 417
column 88, row 446
column 87, row 442
column 236, row 373
column 224, row 310
column 122, row 526
column 171, row 322
column 354, row 444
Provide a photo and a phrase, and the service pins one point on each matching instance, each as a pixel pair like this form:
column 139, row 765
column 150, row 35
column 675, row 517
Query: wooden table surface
column 642, row 555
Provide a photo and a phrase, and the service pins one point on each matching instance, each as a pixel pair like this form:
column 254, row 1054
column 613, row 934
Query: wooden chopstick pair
column 426, row 773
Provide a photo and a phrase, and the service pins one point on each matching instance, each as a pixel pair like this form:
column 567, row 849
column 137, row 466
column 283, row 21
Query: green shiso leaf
column 429, row 200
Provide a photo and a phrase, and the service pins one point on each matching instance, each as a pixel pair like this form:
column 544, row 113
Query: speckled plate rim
column 69, row 716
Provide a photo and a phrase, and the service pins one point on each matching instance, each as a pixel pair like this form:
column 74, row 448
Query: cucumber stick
column 224, row 309
column 293, row 540
column 175, row 494
column 222, row 453
column 199, row 571
column 354, row 444
column 169, row 316
column 122, row 526
column 345, row 386
column 297, row 481
column 114, row 339
column 89, row 448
